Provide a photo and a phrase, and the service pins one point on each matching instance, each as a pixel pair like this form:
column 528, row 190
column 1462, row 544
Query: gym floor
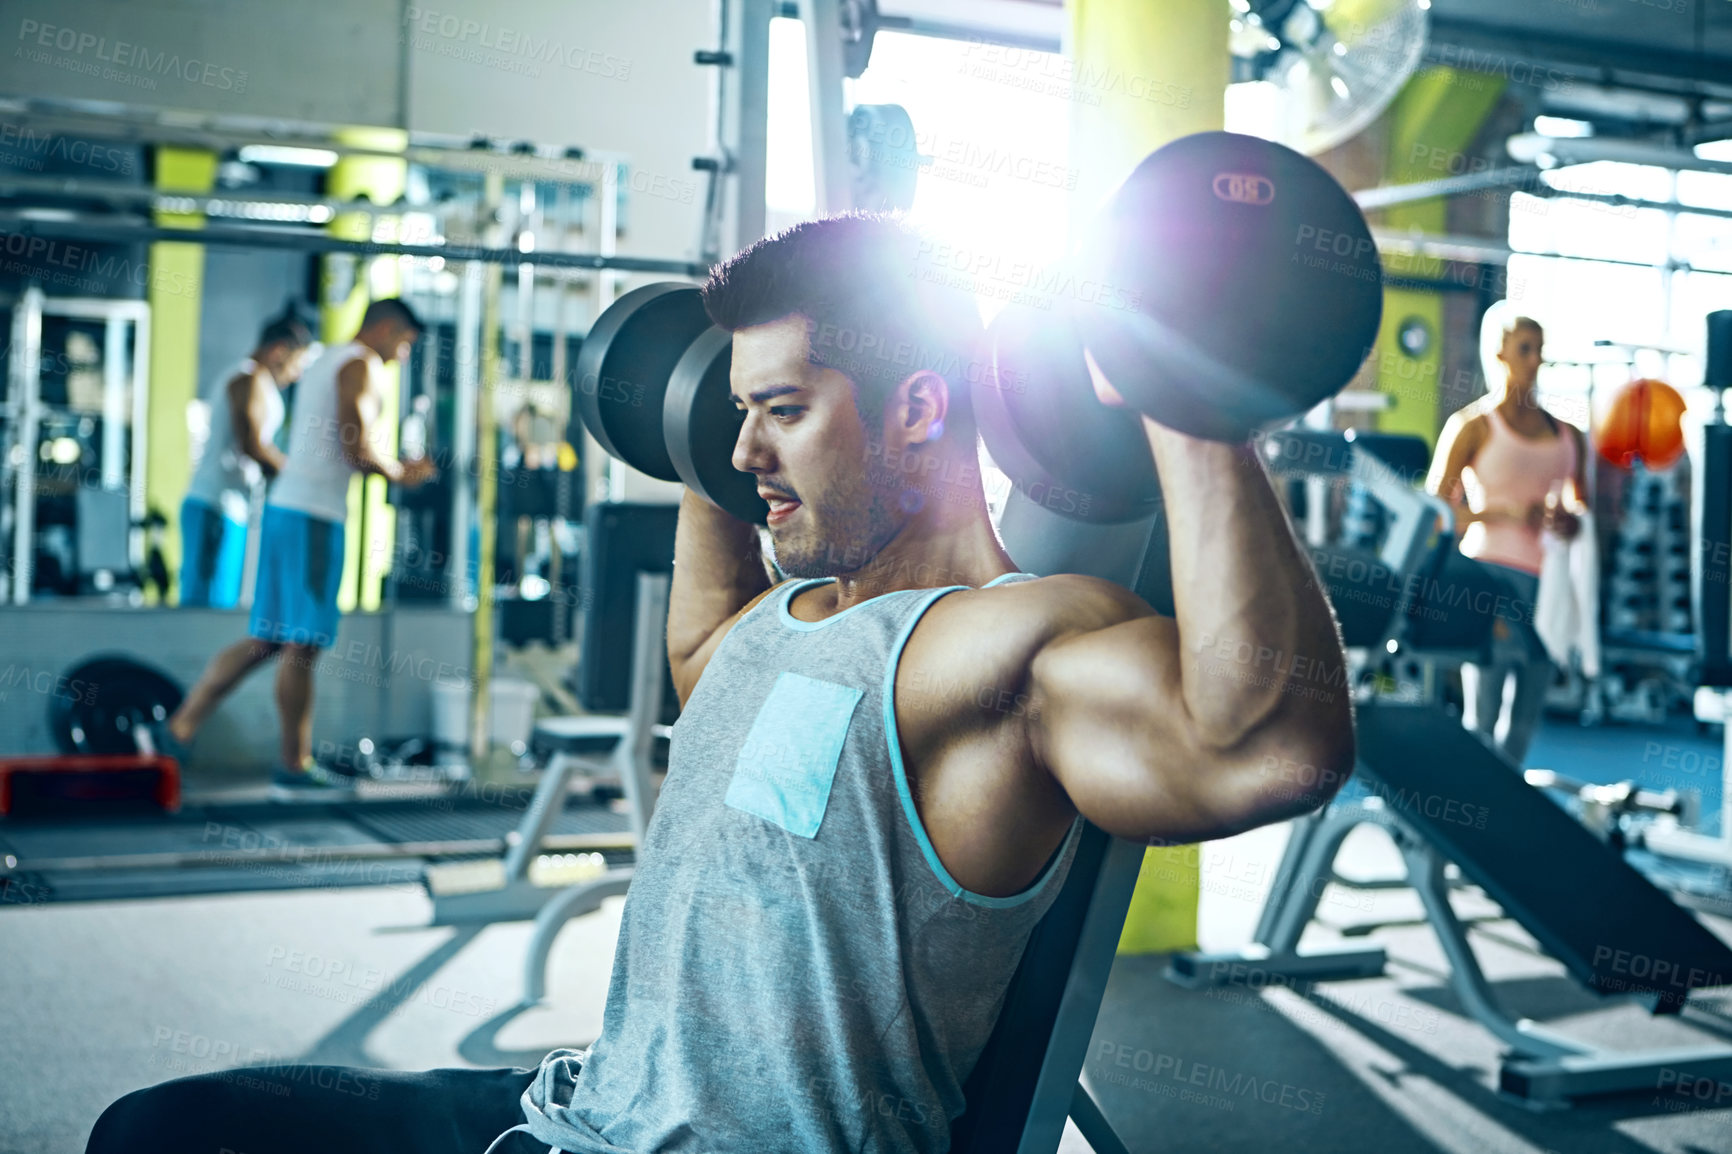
column 110, row 996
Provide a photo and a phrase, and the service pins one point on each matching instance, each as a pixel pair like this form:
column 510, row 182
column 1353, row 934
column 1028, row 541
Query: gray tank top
column 796, row 970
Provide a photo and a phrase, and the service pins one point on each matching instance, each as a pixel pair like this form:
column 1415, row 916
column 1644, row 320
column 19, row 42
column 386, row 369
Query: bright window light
column 1708, row 189
column 282, row 154
column 790, row 190
column 1593, row 228
column 1562, row 126
column 1579, row 302
column 1582, row 301
column 995, row 123
column 1255, row 108
column 1589, row 228
column 1704, row 243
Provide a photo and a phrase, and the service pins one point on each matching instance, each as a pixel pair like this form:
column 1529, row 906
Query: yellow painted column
column 1436, row 117
column 176, row 295
column 486, row 506
column 349, row 283
column 1159, row 71
column 486, row 491
column 1143, row 74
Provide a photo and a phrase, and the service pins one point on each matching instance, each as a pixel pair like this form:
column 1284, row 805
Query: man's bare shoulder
column 1071, row 600
column 1012, row 621
column 759, row 599
column 245, row 384
column 356, row 374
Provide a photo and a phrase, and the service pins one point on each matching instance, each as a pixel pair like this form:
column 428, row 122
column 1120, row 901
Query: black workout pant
column 320, row 1110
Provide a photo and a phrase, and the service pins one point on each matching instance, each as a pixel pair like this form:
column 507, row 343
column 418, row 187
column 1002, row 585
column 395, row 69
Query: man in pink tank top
column 1511, row 471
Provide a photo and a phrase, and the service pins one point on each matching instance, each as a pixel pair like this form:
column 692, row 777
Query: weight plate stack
column 1045, row 428
column 623, row 369
column 1231, row 284
column 105, row 700
column 701, row 425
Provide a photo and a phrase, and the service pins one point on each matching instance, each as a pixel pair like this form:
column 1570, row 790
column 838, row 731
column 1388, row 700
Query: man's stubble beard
column 843, row 538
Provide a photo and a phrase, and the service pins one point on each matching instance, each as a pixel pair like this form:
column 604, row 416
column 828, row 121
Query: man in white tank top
column 1511, row 471
column 331, row 438
column 246, row 410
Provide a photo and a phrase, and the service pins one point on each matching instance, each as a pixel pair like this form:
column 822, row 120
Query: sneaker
column 165, row 743
column 311, row 783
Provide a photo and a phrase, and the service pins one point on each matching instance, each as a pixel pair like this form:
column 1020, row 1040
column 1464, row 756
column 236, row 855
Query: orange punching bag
column 1645, row 419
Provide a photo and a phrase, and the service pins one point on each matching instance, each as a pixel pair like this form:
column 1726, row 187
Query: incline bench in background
column 1444, row 796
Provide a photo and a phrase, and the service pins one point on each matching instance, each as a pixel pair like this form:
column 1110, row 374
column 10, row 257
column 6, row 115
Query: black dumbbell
column 652, row 389
column 1230, row 285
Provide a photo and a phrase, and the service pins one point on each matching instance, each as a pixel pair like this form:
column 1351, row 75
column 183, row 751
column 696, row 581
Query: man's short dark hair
column 393, row 309
column 286, row 329
column 875, row 310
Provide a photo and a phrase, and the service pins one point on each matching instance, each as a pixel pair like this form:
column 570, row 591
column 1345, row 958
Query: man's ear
column 926, row 406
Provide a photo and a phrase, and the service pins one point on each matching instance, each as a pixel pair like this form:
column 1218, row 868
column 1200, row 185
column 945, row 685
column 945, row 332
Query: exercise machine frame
column 521, row 899
column 1543, row 1068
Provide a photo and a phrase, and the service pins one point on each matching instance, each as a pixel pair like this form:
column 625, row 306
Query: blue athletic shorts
column 213, row 553
column 300, row 571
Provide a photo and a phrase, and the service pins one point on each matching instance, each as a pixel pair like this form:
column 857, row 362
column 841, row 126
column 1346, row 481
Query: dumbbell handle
column 1623, row 795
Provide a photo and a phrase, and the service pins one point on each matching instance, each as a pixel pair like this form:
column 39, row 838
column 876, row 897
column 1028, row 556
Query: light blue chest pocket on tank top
column 786, row 767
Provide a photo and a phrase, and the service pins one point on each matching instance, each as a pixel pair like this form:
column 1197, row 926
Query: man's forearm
column 365, row 460
column 718, row 567
column 1254, row 623
column 269, row 458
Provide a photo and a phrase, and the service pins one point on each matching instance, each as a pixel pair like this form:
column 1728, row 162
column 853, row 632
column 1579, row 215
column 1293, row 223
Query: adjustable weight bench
column 630, row 758
column 1025, row 1082
column 628, row 556
column 1444, row 796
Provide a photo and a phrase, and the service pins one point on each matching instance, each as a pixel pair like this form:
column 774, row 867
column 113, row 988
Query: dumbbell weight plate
column 701, row 424
column 623, row 368
column 1045, row 428
column 1241, row 286
column 105, row 699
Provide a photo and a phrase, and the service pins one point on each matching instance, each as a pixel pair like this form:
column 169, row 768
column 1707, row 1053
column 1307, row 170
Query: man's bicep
column 688, row 667
column 243, row 410
column 351, row 414
column 1108, row 721
column 351, row 387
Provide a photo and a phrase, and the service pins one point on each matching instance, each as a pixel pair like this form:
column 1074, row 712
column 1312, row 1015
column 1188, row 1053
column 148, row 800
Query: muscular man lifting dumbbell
column 857, row 834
